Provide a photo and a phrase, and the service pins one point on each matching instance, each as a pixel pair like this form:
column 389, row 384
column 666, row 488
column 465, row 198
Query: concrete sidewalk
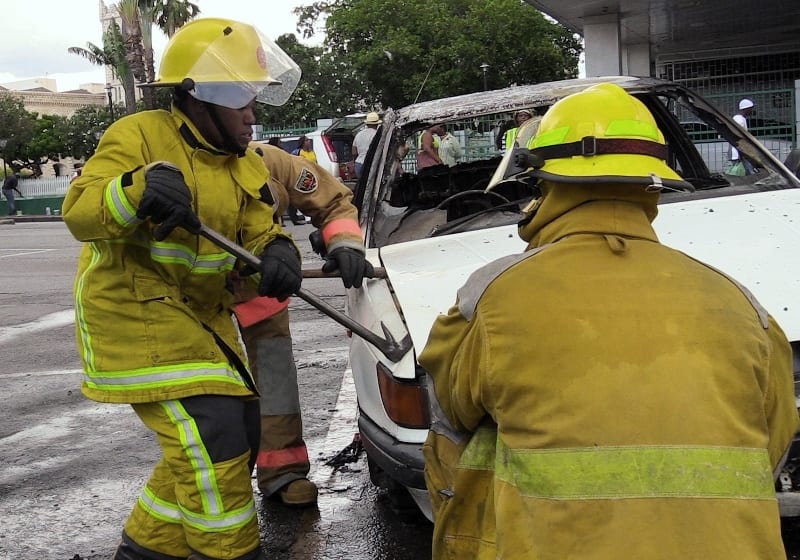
column 6, row 220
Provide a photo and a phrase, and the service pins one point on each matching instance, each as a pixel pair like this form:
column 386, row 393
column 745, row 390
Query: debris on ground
column 349, row 454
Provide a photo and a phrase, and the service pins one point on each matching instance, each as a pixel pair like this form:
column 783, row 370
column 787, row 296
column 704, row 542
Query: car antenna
column 425, row 80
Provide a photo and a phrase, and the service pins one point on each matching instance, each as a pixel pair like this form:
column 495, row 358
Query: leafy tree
column 427, row 49
column 171, row 15
column 132, row 39
column 47, row 142
column 84, row 129
column 16, row 128
column 329, row 87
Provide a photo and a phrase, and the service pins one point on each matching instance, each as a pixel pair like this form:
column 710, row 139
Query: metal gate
column 770, row 80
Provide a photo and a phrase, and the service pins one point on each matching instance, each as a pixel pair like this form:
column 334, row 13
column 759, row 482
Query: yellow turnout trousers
column 199, row 497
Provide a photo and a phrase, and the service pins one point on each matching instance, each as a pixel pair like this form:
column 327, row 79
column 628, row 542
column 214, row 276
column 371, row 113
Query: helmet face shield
column 285, row 74
column 229, row 63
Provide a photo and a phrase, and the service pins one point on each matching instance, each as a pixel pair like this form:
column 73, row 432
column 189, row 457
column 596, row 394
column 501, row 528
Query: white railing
column 44, row 187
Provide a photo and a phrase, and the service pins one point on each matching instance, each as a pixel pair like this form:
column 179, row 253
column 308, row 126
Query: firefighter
column 602, row 395
column 153, row 321
column 282, row 466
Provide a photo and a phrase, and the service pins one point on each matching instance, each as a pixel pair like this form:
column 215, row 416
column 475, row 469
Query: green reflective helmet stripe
column 625, row 472
column 638, row 129
column 620, row 128
column 549, row 138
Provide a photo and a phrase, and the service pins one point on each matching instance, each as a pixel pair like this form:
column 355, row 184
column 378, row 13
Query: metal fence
column 44, row 187
column 769, row 80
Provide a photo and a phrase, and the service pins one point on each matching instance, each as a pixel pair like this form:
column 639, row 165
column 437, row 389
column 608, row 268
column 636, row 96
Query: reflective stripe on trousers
column 199, row 496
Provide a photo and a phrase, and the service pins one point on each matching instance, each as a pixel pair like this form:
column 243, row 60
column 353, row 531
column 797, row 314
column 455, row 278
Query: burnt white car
column 429, row 229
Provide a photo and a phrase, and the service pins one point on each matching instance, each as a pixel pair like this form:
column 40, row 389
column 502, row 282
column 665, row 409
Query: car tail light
column 404, row 401
column 331, row 151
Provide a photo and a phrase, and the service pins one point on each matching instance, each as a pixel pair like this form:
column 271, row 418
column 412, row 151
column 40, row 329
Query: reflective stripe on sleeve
column 625, row 472
column 337, row 227
column 118, row 205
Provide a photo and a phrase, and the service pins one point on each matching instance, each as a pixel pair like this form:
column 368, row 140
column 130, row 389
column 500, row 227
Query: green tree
column 47, row 142
column 328, row 87
column 84, row 129
column 16, row 128
column 427, row 49
column 133, row 47
column 171, row 15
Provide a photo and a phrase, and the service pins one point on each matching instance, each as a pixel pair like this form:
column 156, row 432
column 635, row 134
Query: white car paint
column 753, row 238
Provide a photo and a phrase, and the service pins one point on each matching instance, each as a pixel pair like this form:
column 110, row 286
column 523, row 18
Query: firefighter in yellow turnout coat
column 282, row 464
column 153, row 318
column 603, row 396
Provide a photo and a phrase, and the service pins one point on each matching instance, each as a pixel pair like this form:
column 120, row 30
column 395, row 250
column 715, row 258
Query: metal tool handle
column 389, row 346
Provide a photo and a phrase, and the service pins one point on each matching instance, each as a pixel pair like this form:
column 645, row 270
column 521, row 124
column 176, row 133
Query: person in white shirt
column 449, row 149
column 363, row 139
column 746, row 107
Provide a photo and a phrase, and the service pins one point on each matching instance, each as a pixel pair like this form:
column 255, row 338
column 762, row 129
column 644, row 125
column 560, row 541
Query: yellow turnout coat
column 603, row 396
column 148, row 312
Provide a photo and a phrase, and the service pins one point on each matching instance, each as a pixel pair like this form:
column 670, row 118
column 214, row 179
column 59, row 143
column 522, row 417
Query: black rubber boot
column 257, row 554
column 129, row 550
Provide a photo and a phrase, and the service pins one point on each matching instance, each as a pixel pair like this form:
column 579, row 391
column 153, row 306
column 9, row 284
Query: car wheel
column 395, row 495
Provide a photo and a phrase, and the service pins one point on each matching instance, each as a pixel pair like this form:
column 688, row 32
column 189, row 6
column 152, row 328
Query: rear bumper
column 402, row 462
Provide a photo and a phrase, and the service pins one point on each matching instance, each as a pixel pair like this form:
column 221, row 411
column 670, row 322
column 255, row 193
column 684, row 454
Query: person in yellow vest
column 282, row 465
column 153, row 321
column 602, row 395
column 511, row 134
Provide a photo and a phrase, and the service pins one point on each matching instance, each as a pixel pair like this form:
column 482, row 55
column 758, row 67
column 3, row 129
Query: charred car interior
column 428, row 201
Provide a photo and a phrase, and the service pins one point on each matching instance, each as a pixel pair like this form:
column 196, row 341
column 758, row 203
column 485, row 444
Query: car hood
column 752, row 238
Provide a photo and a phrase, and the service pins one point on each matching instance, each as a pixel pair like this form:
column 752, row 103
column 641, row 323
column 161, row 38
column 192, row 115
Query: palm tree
column 138, row 18
column 132, row 37
column 129, row 51
column 112, row 54
column 171, row 15
column 146, row 17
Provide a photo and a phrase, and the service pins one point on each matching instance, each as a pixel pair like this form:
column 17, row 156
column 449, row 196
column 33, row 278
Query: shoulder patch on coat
column 307, row 182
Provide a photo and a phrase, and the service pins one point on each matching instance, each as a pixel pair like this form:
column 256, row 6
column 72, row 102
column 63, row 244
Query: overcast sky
column 37, row 33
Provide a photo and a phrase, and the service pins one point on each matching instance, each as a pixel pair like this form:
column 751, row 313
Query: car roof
column 512, row 98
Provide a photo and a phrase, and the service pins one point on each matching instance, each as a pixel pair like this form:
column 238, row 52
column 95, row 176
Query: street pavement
column 72, row 468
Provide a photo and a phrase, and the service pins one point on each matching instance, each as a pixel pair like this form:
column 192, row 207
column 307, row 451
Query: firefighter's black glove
column 351, row 264
column 280, row 270
column 167, row 200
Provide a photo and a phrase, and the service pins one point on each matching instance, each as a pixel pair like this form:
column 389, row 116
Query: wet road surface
column 72, row 468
